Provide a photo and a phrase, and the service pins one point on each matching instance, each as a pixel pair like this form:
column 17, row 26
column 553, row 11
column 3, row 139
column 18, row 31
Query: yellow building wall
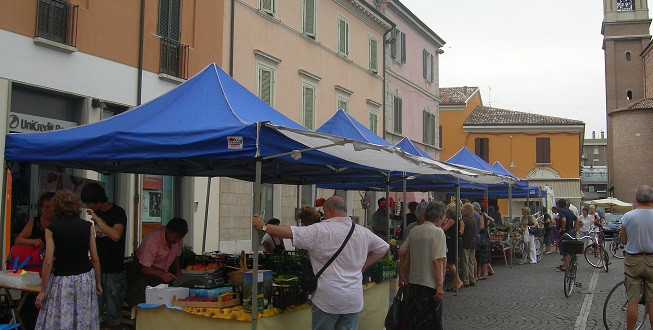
column 451, row 121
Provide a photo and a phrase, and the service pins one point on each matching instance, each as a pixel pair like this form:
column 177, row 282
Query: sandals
column 560, row 269
column 482, row 278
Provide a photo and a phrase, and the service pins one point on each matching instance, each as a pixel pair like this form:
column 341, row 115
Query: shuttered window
column 425, row 69
column 393, row 45
column 266, row 85
column 432, row 68
column 482, row 148
column 343, row 37
column 543, row 150
column 428, row 127
column 440, row 136
column 267, row 6
column 343, row 104
column 169, row 18
column 310, row 13
column 397, row 114
column 308, row 106
column 374, row 122
column 374, row 50
column 403, row 47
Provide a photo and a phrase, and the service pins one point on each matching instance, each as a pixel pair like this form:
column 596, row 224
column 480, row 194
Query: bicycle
column 595, row 253
column 521, row 250
column 616, row 303
column 616, row 248
column 572, row 246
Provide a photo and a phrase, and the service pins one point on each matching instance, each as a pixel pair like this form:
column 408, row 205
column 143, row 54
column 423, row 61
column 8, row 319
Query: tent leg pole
column 403, row 209
column 299, row 202
column 255, row 243
column 206, row 214
column 512, row 247
column 387, row 207
column 3, row 210
column 457, row 201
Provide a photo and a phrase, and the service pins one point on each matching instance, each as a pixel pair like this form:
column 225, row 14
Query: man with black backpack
column 339, row 252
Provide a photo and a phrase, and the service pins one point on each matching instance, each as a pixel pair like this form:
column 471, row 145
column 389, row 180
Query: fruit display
column 234, row 313
column 209, row 266
column 222, row 301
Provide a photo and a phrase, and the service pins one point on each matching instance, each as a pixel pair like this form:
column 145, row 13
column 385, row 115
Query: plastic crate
column 388, row 273
column 573, row 246
column 284, row 296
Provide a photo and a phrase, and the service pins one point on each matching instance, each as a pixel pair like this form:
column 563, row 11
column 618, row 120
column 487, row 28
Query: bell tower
column 626, row 32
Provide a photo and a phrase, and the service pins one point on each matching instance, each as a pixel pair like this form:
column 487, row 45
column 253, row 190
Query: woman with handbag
column 529, row 222
column 484, row 253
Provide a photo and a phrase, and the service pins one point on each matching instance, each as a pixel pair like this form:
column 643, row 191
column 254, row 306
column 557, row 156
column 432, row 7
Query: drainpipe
column 231, row 40
column 139, row 100
column 385, row 35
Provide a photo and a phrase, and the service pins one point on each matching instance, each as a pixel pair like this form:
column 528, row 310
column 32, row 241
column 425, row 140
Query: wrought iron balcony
column 56, row 20
column 174, row 58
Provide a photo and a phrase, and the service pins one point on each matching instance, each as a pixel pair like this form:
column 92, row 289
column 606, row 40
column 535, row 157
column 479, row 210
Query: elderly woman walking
column 527, row 220
column 426, row 246
column 69, row 294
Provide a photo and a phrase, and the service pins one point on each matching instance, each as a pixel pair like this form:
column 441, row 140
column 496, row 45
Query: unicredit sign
column 20, row 122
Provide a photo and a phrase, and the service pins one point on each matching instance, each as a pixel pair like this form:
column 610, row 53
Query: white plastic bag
column 527, row 235
column 19, row 281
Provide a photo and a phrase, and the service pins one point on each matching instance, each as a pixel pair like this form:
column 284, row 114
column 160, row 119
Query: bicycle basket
column 573, row 246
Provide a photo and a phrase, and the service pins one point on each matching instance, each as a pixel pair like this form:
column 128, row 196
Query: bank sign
column 22, row 123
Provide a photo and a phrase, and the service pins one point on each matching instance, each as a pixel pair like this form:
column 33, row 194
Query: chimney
column 465, row 90
column 602, row 135
column 593, row 135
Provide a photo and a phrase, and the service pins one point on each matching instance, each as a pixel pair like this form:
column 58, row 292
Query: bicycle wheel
column 616, row 306
column 570, row 277
column 539, row 247
column 593, row 256
column 520, row 252
column 616, row 248
column 606, row 259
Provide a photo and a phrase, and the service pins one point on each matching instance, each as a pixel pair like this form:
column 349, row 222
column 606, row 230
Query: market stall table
column 16, row 308
column 162, row 318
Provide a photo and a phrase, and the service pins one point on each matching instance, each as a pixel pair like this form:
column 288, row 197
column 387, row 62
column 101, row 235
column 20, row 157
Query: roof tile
column 456, row 95
column 638, row 105
column 494, row 116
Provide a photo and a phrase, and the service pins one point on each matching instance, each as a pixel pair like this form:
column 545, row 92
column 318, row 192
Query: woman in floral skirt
column 69, row 292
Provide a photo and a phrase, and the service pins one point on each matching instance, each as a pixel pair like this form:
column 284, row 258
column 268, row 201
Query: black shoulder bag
column 308, row 280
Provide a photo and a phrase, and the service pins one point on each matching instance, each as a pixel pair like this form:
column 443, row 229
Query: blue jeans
column 325, row 321
column 113, row 295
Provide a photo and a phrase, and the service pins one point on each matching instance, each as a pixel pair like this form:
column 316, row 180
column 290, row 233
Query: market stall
column 220, row 129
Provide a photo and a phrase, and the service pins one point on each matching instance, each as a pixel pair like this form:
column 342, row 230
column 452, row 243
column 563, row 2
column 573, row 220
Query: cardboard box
column 210, row 293
column 164, row 296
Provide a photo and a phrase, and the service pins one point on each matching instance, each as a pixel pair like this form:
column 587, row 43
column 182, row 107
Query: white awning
column 563, row 188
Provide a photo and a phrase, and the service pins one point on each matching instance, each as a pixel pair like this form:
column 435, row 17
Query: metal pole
column 457, row 201
column 206, row 214
column 512, row 241
column 387, row 207
column 5, row 250
column 255, row 243
column 299, row 201
column 403, row 210
column 528, row 195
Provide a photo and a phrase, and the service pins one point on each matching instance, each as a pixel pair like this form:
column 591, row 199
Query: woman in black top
column 449, row 228
column 469, row 246
column 548, row 230
column 33, row 233
column 72, row 287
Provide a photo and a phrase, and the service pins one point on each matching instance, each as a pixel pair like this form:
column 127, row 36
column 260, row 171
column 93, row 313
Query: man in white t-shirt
column 585, row 224
column 339, row 296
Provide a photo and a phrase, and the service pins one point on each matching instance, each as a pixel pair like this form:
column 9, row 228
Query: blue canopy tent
column 408, row 146
column 212, row 126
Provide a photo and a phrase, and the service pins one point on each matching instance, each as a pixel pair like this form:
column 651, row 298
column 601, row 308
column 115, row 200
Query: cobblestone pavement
column 531, row 296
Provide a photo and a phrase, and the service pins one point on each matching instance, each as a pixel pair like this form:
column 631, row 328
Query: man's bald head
column 335, row 206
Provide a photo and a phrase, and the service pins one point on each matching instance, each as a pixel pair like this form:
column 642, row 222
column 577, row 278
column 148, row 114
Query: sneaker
column 533, row 262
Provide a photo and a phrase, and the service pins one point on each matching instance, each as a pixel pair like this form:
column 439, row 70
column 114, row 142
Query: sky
column 538, row 56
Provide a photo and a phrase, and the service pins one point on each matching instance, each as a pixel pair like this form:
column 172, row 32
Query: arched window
column 628, row 56
column 629, row 95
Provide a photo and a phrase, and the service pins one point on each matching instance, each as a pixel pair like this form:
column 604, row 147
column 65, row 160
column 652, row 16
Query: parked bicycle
column 572, row 246
column 595, row 252
column 616, row 306
column 521, row 250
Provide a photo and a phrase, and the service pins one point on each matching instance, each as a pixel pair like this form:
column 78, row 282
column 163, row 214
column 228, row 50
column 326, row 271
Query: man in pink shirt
column 157, row 259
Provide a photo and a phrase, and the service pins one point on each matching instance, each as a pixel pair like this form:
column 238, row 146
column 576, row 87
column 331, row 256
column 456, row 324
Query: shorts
column 639, row 269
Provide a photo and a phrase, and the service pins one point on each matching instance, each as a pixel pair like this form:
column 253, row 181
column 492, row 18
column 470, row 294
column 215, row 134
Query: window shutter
column 373, row 55
column 175, row 18
column 395, row 112
column 342, row 29
column 425, row 56
column 393, row 45
column 403, row 47
column 543, row 150
column 265, row 85
column 309, row 106
column 399, row 122
column 347, row 38
column 374, row 121
column 164, row 18
column 425, row 128
column 440, row 136
column 486, row 149
column 268, row 6
column 432, row 68
column 477, row 147
column 309, row 17
column 432, row 129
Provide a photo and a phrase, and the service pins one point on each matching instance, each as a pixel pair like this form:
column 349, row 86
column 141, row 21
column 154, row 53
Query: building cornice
column 413, row 85
column 372, row 17
column 457, row 106
column 344, row 90
column 407, row 16
column 309, row 75
column 615, row 112
column 373, row 103
column 523, row 128
column 265, row 55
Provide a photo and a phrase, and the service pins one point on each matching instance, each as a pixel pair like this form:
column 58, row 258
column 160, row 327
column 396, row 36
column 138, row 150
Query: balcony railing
column 174, row 58
column 56, row 20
